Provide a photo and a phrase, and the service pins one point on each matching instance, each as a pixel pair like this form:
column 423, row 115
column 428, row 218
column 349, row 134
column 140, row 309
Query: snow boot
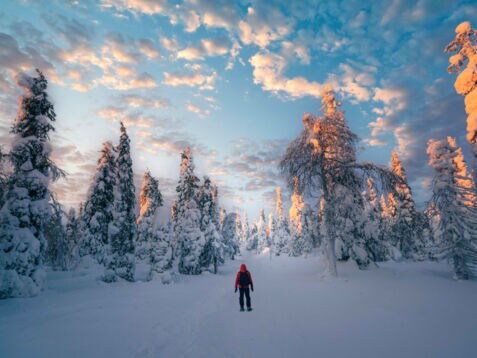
column 241, row 309
column 249, row 309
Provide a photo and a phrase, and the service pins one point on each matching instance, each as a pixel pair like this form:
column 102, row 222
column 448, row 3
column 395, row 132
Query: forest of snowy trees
column 344, row 209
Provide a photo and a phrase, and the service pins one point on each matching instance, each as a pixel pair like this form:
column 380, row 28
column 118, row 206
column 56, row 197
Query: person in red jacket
column 244, row 282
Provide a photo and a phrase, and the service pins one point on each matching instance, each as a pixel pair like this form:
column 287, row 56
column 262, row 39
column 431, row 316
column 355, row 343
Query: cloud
column 375, row 142
column 264, row 24
column 268, row 71
column 192, row 77
column 140, row 101
column 301, row 51
column 115, row 81
column 196, row 109
column 207, row 48
column 148, row 7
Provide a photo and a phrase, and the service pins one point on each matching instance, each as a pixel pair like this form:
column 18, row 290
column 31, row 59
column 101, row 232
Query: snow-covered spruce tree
column 311, row 235
column 271, row 229
column 405, row 231
column 463, row 178
column 73, row 235
column 323, row 158
column 245, row 231
column 213, row 251
column 465, row 44
column 252, row 241
column 296, row 244
column 26, row 208
column 122, row 230
column 230, row 235
column 150, row 200
column 374, row 225
column 457, row 222
column 160, row 256
column 57, row 253
column 4, row 175
column 281, row 234
column 222, row 215
column 99, row 207
column 262, row 240
column 189, row 239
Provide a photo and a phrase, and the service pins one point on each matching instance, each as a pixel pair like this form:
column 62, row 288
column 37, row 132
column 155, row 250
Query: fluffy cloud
column 206, row 48
column 194, row 76
column 148, row 7
column 268, row 71
column 203, row 112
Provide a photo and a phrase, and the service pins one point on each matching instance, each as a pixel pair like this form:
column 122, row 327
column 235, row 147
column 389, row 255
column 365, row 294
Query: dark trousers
column 246, row 292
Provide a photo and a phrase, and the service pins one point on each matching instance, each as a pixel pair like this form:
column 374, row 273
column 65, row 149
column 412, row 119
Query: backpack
column 244, row 279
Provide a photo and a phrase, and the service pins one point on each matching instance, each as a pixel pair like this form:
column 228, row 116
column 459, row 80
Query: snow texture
column 400, row 310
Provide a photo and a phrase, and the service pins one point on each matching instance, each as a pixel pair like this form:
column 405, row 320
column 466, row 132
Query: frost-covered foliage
column 213, row 251
column 261, row 237
column 73, row 235
column 189, row 239
column 58, row 251
column 231, row 235
column 4, row 175
column 405, row 230
column 252, row 241
column 99, row 207
column 323, row 159
column 301, row 241
column 280, row 234
column 375, row 226
column 122, row 230
column 160, row 256
column 245, row 231
column 150, row 200
column 465, row 46
column 26, row 209
column 456, row 226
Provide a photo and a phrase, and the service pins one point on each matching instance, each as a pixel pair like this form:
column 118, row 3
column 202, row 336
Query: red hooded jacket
column 243, row 268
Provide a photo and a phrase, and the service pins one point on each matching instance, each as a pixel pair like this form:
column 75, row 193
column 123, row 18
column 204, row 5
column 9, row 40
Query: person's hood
column 243, row 268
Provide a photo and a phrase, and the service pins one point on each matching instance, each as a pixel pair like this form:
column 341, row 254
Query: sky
column 232, row 79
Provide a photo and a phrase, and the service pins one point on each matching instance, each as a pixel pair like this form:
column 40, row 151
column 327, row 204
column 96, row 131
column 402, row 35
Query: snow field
column 398, row 310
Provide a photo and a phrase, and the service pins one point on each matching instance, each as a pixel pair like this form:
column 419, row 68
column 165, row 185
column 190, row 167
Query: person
column 244, row 283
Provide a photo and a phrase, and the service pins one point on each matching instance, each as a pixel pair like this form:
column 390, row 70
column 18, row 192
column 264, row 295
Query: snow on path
column 398, row 310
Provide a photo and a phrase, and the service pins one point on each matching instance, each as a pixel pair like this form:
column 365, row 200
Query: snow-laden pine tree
column 99, row 207
column 252, row 241
column 213, row 251
column 311, row 229
column 230, row 236
column 26, row 208
column 4, row 175
column 323, row 158
column 281, row 234
column 271, row 229
column 304, row 229
column 296, row 243
column 122, row 230
column 245, row 232
column 375, row 225
column 261, row 234
column 189, row 239
column 457, row 224
column 465, row 44
column 405, row 231
column 73, row 235
column 57, row 253
column 150, row 200
column 160, row 256
column 463, row 178
column 222, row 215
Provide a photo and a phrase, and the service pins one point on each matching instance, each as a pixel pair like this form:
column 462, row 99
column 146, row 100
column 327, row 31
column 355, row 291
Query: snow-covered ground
column 398, row 310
